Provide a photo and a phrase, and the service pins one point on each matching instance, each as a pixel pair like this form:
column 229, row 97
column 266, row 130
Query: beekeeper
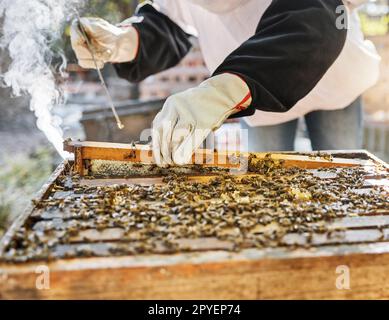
column 272, row 62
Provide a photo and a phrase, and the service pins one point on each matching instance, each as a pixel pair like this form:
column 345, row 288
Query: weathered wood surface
column 209, row 271
column 250, row 274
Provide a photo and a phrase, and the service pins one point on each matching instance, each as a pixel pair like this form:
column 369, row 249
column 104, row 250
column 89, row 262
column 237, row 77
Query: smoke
column 29, row 30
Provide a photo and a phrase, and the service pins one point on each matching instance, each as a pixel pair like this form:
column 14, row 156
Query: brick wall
column 190, row 72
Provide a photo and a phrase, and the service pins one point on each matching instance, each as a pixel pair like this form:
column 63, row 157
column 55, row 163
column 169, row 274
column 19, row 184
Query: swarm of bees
column 254, row 210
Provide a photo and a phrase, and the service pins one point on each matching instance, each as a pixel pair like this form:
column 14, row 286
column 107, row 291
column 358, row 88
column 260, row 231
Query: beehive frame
column 213, row 273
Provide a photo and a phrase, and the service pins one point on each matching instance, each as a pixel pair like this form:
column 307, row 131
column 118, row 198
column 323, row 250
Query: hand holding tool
column 187, row 118
column 98, row 67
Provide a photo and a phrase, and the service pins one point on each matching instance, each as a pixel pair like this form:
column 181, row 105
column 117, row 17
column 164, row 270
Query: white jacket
column 223, row 26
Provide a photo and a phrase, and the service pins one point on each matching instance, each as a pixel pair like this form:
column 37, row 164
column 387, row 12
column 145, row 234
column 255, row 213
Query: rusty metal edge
column 20, row 220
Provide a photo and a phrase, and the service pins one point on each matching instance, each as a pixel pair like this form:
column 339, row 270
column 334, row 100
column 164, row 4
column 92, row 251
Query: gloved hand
column 187, row 118
column 110, row 43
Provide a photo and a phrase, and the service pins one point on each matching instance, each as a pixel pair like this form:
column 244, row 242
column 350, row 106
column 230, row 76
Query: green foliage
column 374, row 26
column 20, row 178
column 5, row 211
column 113, row 11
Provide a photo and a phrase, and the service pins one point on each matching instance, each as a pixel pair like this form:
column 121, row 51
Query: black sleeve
column 295, row 43
column 162, row 44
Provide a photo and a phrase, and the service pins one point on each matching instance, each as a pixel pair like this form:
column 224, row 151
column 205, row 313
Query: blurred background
column 27, row 158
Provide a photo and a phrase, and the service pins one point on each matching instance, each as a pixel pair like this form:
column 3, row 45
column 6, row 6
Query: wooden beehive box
column 245, row 244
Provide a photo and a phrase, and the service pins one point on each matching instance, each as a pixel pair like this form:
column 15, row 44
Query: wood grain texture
column 211, row 275
column 89, row 150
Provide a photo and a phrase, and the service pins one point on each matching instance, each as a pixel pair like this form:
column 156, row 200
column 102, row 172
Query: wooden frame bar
column 89, row 150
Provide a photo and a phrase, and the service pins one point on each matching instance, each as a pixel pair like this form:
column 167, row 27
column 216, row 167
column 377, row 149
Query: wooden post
column 78, row 159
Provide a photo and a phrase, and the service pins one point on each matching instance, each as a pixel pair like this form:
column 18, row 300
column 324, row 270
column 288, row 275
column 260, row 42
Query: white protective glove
column 110, row 43
column 188, row 117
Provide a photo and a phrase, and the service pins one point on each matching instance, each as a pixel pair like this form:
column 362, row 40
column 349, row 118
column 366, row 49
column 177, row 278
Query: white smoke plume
column 29, row 29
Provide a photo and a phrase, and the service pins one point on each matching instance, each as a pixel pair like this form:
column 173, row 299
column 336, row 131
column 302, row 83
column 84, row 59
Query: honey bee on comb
column 261, row 209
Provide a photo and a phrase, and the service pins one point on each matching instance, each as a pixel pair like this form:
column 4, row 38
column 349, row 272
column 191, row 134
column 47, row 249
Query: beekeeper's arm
column 145, row 44
column 295, row 44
